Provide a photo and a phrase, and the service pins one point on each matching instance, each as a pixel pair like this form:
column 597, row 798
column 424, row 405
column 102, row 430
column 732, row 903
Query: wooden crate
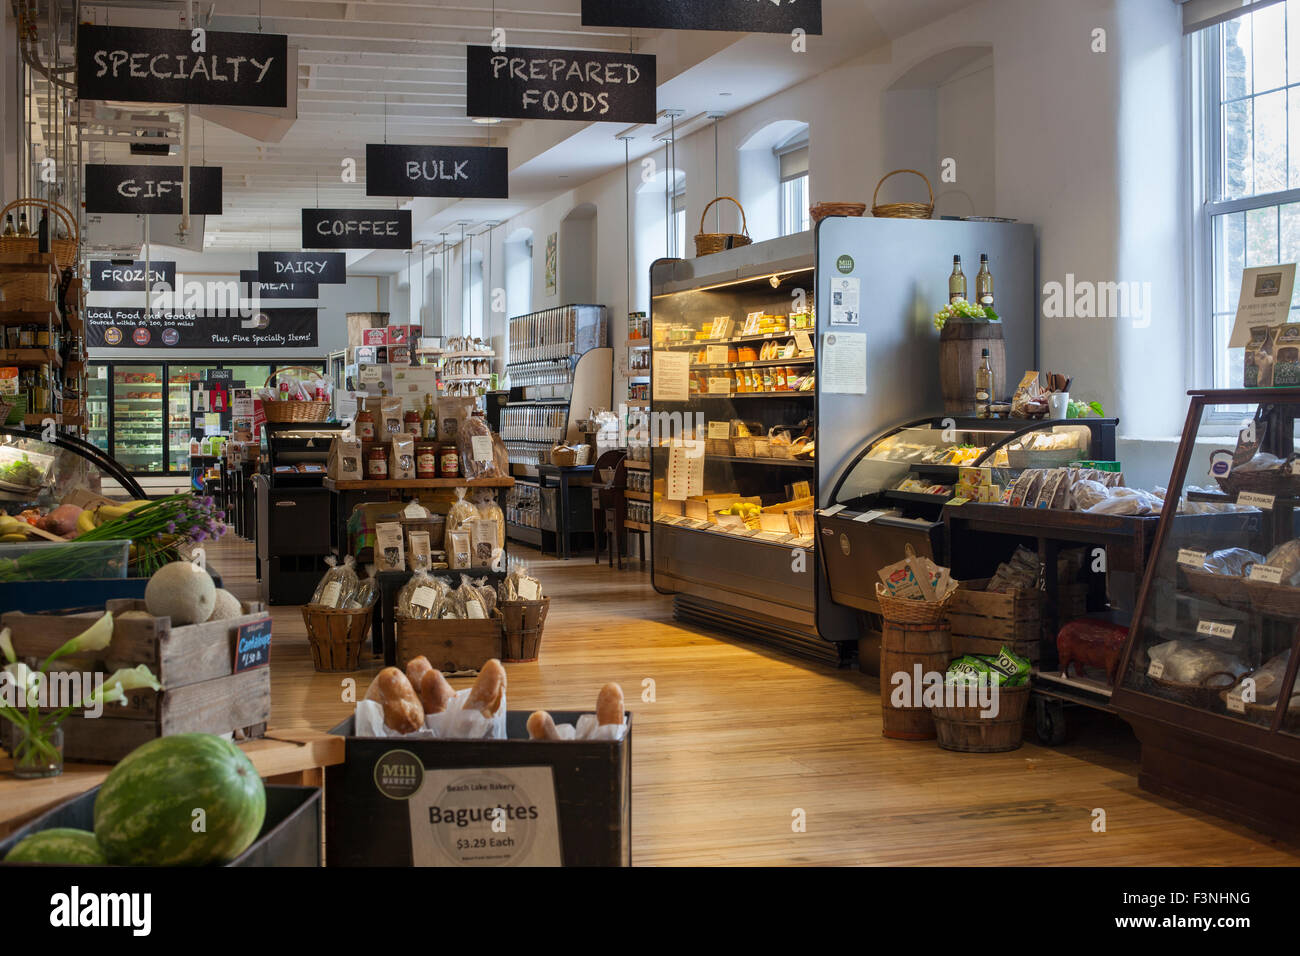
column 1011, row 616
column 195, row 664
column 452, row 646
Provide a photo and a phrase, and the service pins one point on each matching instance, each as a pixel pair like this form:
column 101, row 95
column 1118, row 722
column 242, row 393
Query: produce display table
column 293, row 757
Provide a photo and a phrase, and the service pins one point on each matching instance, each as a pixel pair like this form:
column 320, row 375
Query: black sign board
column 278, row 290
column 107, row 275
column 748, row 16
column 534, row 83
column 463, row 172
column 266, row 329
column 326, row 268
column 152, row 189
column 356, row 228
column 219, row 375
column 142, row 65
column 253, row 646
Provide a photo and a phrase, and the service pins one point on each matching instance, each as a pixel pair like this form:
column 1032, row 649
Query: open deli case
column 1212, row 654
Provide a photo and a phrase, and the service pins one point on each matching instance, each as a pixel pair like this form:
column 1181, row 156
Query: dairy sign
column 535, row 83
column 205, row 67
column 324, row 268
column 461, row 172
column 158, row 328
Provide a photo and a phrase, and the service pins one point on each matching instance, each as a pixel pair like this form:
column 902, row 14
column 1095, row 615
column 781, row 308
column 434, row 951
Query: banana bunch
column 94, row 517
column 12, row 529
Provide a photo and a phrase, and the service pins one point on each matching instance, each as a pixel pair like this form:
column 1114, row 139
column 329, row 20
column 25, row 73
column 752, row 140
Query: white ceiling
column 376, row 70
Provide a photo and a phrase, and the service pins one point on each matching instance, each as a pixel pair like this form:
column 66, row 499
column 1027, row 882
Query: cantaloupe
column 181, row 591
column 226, row 607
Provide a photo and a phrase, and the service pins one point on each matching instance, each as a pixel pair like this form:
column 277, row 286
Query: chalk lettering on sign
column 534, row 83
column 479, row 172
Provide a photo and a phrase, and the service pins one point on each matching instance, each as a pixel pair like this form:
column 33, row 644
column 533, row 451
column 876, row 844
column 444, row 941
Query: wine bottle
column 983, row 387
column 428, row 420
column 956, row 281
column 43, row 232
column 9, row 226
column 24, row 231
column 984, row 283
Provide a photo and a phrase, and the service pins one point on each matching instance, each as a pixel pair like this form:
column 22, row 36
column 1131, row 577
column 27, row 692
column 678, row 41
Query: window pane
column 1261, row 236
column 1292, row 43
column 1270, row 142
column 1229, row 259
column 1269, row 35
column 1238, row 150
column 1290, row 241
column 1235, row 58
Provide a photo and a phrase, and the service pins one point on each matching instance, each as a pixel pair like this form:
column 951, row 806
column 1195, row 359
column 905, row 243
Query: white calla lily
column 7, row 645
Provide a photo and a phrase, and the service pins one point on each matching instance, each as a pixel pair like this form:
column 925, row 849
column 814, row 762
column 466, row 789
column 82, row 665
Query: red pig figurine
column 1088, row 641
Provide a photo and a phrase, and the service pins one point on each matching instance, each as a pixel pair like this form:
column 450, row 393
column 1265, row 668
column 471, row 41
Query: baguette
column 435, row 692
column 394, row 693
column 486, row 694
column 541, row 726
column 416, row 668
column 609, row 705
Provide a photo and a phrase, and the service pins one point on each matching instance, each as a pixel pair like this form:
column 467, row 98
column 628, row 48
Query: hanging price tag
column 1266, row 573
column 1156, row 670
column 1216, row 629
column 1191, row 559
column 1255, row 500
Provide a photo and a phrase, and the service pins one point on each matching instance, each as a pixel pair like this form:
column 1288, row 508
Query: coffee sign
column 534, row 83
column 749, row 16
column 152, row 189
column 128, row 276
column 207, row 67
column 461, row 172
column 326, row 268
column 278, row 290
column 356, row 228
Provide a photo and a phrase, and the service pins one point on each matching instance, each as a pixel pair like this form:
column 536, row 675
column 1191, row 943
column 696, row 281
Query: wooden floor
column 740, row 737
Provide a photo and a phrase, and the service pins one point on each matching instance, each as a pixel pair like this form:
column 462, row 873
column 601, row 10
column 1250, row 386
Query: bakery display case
column 1209, row 672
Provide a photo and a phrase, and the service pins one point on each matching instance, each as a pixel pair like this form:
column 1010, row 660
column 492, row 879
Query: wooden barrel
column 963, row 729
column 960, row 345
column 914, row 650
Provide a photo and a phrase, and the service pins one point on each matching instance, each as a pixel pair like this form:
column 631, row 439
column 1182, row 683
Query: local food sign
column 142, row 65
column 278, row 290
column 152, row 189
column 326, row 268
column 107, row 275
column 749, row 16
column 461, row 172
column 356, row 228
column 534, row 83
column 265, row 329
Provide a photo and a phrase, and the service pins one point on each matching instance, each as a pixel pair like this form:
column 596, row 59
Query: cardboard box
column 374, row 337
column 399, row 355
column 401, row 334
column 359, row 322
column 412, row 383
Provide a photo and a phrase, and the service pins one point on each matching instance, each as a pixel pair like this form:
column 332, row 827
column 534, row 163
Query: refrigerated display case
column 179, row 424
column 138, row 402
column 97, row 407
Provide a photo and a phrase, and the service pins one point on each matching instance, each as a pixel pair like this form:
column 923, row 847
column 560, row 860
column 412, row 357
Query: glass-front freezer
column 138, row 395
column 97, row 406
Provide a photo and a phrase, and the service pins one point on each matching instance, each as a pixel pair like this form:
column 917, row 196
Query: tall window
column 519, row 276
column 793, row 160
column 1247, row 73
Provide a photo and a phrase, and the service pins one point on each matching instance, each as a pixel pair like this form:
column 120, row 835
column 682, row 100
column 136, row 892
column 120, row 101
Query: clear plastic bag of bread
column 609, row 722
column 519, row 585
column 476, row 450
column 366, row 595
column 488, row 510
column 1232, row 561
column 339, row 584
column 422, row 597
column 1287, row 557
column 461, row 512
column 487, row 594
column 471, row 601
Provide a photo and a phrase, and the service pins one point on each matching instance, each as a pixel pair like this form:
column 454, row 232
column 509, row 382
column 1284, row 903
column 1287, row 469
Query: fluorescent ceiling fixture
column 486, row 120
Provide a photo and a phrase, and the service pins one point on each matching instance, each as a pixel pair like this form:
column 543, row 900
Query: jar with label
column 365, row 425
column 377, row 463
column 411, row 424
column 426, row 460
column 448, row 463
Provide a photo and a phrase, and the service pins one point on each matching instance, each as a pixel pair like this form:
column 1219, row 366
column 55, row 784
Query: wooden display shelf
column 761, row 363
column 415, row 484
column 754, row 460
column 637, row 465
column 636, row 526
column 30, row 357
column 447, row 356
column 636, row 495
column 760, row 337
column 29, row 312
column 788, row 393
column 27, row 262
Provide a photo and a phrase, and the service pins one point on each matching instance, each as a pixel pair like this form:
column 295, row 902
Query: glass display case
column 138, row 396
column 97, row 407
column 179, row 428
column 1209, row 671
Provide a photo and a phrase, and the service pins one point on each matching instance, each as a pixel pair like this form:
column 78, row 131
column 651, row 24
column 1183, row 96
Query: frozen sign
column 461, row 172
column 532, row 83
column 141, row 65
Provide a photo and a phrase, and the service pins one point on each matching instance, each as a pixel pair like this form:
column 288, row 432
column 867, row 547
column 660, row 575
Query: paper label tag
column 832, row 510
column 719, row 384
column 715, row 355
column 528, row 590
column 1216, row 629
column 330, row 596
column 424, row 597
column 1236, row 703
column 730, row 521
column 1190, row 558
column 869, row 516
column 957, row 501
column 1156, row 670
column 481, row 447
column 719, row 429
column 1255, row 500
column 803, row 342
column 414, row 510
column 253, row 645
column 1266, row 573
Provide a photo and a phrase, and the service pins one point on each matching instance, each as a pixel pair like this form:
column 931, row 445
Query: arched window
column 792, row 167
column 474, row 312
column 773, row 174
column 519, row 272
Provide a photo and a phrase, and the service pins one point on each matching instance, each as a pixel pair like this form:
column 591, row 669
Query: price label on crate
column 957, row 501
column 491, row 816
column 1255, row 500
column 1191, row 559
column 1266, row 573
column 253, row 645
column 869, row 516
column 1216, row 629
column 1156, row 670
column 803, row 342
column 1236, row 703
column 832, row 510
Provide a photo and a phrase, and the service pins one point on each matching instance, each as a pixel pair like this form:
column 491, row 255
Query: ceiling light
column 486, row 120
column 775, row 281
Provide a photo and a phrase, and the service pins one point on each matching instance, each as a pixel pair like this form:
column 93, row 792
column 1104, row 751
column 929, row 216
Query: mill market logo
column 112, row 335
column 399, row 774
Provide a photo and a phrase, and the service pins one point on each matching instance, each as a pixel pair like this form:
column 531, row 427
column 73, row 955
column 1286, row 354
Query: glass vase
column 39, row 755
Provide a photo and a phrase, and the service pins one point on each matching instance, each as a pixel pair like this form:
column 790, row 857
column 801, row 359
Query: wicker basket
column 1273, row 600
column 1227, row 589
column 337, row 636
column 824, row 209
column 567, row 456
column 743, row 448
column 36, row 285
column 521, row 638
column 902, row 210
column 707, row 243
column 295, row 410
column 776, row 449
column 1274, row 481
column 902, row 611
column 1202, row 694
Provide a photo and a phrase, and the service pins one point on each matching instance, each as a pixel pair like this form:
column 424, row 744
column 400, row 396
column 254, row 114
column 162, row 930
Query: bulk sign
column 462, row 172
column 534, row 83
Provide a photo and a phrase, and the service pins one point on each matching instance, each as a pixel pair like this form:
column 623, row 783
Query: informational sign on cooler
column 576, row 85
column 846, row 293
column 671, row 376
column 844, row 363
column 503, row 816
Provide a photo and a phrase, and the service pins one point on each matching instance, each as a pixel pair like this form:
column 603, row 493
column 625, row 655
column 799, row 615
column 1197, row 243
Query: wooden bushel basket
column 337, row 636
column 521, row 640
column 707, row 243
column 964, row 729
column 35, row 285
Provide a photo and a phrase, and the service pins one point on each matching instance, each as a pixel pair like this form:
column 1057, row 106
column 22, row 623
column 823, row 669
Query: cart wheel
column 1049, row 721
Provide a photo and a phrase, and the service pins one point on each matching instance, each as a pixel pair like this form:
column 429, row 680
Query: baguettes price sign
column 461, row 172
column 142, row 65
column 152, row 189
column 356, row 228
column 749, row 16
column 535, row 83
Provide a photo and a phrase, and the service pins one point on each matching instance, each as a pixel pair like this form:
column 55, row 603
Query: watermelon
column 147, row 810
column 58, row 845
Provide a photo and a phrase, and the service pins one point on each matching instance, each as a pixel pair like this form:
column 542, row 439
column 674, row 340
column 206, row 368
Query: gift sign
column 152, row 189
column 253, row 646
column 499, row 816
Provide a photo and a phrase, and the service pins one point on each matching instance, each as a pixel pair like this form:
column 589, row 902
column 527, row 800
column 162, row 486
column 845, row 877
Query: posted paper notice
column 844, row 363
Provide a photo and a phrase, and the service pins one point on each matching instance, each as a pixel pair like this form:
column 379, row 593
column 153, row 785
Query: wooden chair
column 608, row 506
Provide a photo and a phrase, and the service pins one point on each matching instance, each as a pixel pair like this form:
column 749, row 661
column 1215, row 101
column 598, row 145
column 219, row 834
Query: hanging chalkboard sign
column 277, row 290
column 533, row 83
column 462, row 172
column 356, row 228
column 143, row 65
column 326, row 268
column 748, row 16
column 108, row 275
column 152, row 189
column 264, row 329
